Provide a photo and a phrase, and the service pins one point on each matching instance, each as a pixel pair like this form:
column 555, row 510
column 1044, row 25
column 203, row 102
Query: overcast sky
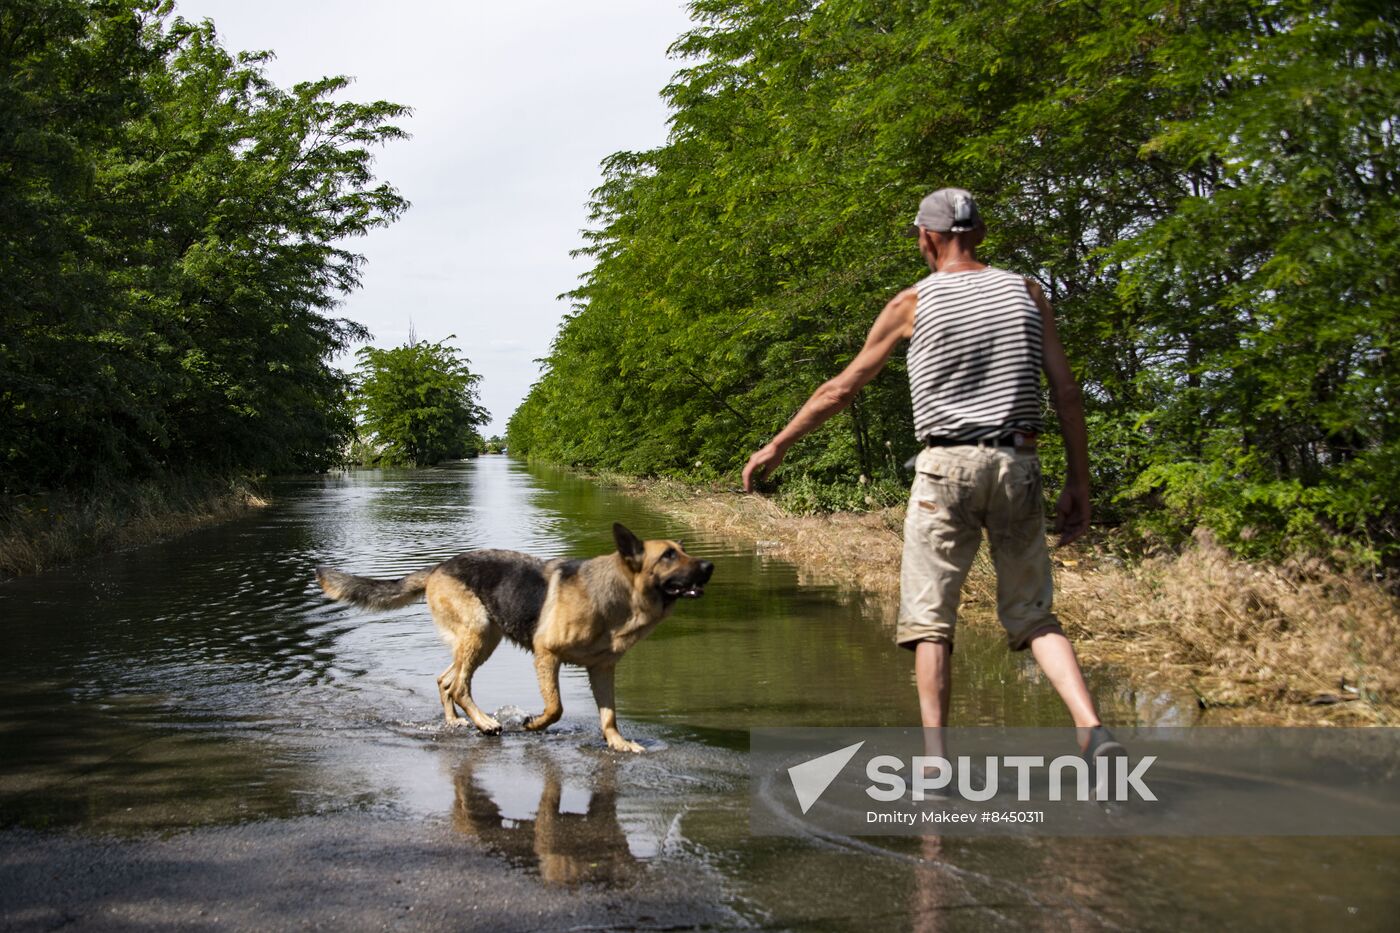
column 515, row 105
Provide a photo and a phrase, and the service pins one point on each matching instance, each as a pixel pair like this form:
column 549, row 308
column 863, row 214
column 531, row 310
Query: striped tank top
column 974, row 358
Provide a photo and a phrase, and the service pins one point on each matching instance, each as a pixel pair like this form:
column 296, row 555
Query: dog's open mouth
column 687, row 589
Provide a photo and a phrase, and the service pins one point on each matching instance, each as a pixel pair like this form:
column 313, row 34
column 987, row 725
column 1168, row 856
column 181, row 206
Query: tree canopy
column 1206, row 191
column 418, row 404
column 173, row 231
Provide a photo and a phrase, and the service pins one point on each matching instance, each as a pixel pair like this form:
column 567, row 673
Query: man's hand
column 1072, row 514
column 764, row 461
column 894, row 324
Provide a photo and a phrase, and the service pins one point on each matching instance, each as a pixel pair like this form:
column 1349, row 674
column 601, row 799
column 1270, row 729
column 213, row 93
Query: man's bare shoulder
column 905, row 301
column 899, row 311
column 1037, row 293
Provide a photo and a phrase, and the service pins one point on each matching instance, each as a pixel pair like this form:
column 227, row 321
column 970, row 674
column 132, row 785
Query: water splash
column 511, row 718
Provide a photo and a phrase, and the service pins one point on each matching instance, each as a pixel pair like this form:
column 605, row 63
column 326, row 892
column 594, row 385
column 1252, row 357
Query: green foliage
column 417, row 404
column 805, row 495
column 1207, row 191
column 172, row 243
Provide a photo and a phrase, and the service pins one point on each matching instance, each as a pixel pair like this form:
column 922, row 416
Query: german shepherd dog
column 584, row 612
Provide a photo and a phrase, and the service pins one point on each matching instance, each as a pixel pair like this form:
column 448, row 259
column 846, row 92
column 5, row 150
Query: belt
column 1013, row 439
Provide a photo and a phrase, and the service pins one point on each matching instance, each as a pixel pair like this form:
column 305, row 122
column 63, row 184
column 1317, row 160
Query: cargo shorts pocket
column 1023, row 520
column 1028, row 494
column 944, row 490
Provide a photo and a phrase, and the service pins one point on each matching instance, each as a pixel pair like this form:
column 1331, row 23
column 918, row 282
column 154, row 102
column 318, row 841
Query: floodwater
column 193, row 723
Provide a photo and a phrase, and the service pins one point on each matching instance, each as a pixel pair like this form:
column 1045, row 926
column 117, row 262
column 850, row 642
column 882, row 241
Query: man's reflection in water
column 567, row 848
column 1042, row 883
column 1046, row 880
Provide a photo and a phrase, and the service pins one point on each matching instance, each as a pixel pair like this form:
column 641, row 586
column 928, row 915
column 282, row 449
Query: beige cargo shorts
column 957, row 492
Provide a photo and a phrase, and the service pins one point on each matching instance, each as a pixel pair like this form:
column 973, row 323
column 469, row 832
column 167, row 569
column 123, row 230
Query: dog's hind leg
column 474, row 654
column 462, row 621
column 547, row 669
column 445, row 680
column 447, row 688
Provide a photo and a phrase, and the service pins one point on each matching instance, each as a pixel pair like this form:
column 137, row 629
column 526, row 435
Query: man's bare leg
column 933, row 676
column 1055, row 655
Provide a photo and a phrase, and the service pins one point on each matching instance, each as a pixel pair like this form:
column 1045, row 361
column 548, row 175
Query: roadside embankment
column 42, row 531
column 1295, row 643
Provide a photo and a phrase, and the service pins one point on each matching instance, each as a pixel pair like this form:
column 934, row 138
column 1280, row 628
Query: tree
column 418, row 403
column 173, row 243
column 1206, row 189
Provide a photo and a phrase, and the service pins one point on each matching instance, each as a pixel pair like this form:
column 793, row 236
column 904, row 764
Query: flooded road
column 193, row 723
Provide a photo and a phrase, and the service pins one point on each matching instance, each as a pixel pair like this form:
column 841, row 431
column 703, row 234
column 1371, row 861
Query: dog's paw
column 619, row 744
column 489, row 726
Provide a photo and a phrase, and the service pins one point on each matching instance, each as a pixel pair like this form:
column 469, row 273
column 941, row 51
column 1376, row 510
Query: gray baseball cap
column 947, row 210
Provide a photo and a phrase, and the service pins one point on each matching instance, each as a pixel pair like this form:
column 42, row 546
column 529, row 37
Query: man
column 979, row 338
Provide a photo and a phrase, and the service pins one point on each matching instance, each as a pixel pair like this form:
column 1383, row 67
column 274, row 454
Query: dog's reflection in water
column 567, row 848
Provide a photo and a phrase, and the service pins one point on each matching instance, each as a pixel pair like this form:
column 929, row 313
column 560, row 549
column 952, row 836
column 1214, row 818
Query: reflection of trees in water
column 566, row 848
column 121, row 770
column 879, row 606
column 404, row 501
column 234, row 608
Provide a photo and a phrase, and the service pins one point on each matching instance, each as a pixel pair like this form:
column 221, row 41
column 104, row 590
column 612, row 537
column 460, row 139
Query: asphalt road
column 345, row 872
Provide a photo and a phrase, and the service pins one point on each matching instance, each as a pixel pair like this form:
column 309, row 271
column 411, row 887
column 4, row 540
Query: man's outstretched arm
column 1072, row 510
column 894, row 324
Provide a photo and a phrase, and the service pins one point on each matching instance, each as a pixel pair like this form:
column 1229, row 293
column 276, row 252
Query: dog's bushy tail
column 370, row 593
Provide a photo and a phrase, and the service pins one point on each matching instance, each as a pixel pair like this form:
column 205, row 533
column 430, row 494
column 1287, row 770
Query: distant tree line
column 172, row 249
column 1206, row 189
column 416, row 405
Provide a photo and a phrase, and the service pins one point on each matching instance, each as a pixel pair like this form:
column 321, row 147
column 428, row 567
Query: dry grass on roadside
column 1298, row 643
column 1292, row 643
column 37, row 533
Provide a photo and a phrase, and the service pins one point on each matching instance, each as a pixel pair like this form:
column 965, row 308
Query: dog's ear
column 629, row 546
